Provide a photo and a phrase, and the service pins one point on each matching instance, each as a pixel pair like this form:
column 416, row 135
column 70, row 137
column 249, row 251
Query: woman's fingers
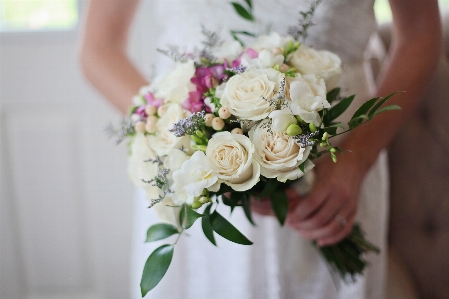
column 308, row 205
column 344, row 232
column 261, row 206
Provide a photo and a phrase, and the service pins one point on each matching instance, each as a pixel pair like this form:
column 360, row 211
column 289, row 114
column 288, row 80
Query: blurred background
column 65, row 199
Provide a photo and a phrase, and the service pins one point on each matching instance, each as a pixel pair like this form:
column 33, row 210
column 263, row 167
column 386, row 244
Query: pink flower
column 152, row 100
column 250, row 52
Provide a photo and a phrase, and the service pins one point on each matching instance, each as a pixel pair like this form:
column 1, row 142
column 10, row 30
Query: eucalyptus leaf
column 225, row 229
column 333, row 95
column 378, row 104
column 190, row 216
column 207, row 228
column 341, row 107
column 242, row 11
column 279, row 203
column 161, row 231
column 155, row 268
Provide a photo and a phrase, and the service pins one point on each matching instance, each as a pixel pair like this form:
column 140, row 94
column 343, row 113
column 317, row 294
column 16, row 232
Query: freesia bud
column 325, row 136
column 323, row 144
column 294, row 130
column 312, row 127
column 196, row 205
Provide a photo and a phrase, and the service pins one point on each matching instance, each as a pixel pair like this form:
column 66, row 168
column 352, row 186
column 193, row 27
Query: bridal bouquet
column 233, row 123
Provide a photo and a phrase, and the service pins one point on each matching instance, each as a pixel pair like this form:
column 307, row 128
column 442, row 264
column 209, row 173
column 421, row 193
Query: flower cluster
column 248, row 113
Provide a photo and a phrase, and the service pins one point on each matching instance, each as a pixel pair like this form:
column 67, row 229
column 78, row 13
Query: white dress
column 280, row 264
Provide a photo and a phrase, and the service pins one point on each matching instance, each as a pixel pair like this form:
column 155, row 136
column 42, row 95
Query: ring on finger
column 340, row 219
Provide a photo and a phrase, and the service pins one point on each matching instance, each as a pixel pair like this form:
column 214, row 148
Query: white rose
column 282, row 119
column 164, row 140
column 231, row 157
column 324, row 64
column 271, row 41
column 266, row 59
column 246, row 94
column 308, row 97
column 229, row 50
column 279, row 155
column 175, row 85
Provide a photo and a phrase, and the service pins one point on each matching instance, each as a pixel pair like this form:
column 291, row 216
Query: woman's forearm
column 408, row 70
column 103, row 51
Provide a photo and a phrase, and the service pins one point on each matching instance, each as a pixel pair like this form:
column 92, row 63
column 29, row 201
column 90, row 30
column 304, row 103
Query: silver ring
column 341, row 220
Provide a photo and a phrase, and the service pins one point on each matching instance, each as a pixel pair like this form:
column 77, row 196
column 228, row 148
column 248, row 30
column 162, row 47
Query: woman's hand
column 327, row 213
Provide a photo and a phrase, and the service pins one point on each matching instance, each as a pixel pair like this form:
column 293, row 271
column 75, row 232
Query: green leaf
column 364, row 109
column 242, row 11
column 207, row 228
column 339, row 150
column 279, row 203
column 244, row 33
column 387, row 108
column 331, row 130
column 190, row 216
column 378, row 104
column 333, row 95
column 341, row 107
column 355, row 122
column 161, row 231
column 155, row 268
column 246, row 205
column 302, row 166
column 225, row 229
column 270, row 186
column 249, row 3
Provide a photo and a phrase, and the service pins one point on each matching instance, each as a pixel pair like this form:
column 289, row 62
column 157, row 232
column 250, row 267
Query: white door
column 65, row 197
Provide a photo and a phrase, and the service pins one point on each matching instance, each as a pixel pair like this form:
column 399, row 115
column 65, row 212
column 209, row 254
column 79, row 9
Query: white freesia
column 138, row 169
column 271, row 41
column 246, row 94
column 282, row 119
column 173, row 161
column 278, row 154
column 231, row 157
column 229, row 51
column 266, row 59
column 164, row 140
column 175, row 85
column 324, row 64
column 195, row 175
column 308, row 97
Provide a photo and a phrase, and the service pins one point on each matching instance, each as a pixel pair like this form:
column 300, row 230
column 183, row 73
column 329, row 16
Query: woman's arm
column 412, row 61
column 103, row 51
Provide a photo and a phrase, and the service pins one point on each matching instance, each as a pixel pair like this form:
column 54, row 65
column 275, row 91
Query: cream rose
column 278, row 154
column 323, row 64
column 308, row 96
column 246, row 95
column 231, row 157
column 164, row 140
column 175, row 85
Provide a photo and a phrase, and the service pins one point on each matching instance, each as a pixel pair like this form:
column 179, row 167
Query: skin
column 412, row 60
